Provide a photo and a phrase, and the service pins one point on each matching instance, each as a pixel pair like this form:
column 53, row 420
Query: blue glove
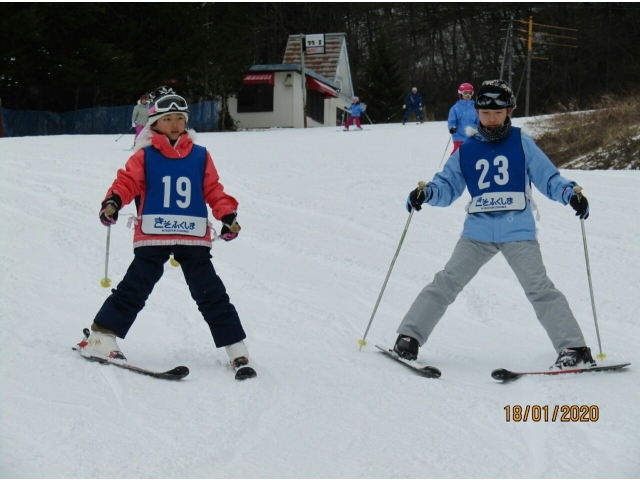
column 577, row 201
column 417, row 197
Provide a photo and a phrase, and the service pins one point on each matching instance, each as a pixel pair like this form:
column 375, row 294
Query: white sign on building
column 314, row 44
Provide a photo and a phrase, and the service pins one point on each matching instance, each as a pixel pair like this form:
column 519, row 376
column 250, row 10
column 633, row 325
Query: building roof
column 325, row 64
column 278, row 67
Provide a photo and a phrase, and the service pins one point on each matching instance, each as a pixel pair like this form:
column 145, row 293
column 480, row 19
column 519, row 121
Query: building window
column 341, row 116
column 315, row 105
column 255, row 98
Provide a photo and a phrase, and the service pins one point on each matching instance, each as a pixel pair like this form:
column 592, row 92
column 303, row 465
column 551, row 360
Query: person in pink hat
column 354, row 110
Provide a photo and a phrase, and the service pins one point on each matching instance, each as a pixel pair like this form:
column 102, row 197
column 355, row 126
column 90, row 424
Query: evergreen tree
column 382, row 85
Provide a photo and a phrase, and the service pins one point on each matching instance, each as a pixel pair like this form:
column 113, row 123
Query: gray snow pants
column 468, row 257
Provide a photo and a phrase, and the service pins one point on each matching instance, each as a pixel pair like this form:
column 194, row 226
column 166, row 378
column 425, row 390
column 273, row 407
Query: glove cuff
column 229, row 221
column 567, row 194
column 113, row 199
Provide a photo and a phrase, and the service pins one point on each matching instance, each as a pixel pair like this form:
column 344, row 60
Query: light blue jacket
column 354, row 109
column 462, row 115
column 497, row 227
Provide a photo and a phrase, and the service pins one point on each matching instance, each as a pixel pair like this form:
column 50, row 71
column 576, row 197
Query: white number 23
column 503, row 171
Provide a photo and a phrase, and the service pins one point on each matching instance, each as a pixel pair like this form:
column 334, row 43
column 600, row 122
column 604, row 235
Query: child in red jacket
column 175, row 180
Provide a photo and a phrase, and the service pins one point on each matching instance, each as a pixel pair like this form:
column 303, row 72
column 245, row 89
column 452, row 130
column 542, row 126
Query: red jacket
column 130, row 182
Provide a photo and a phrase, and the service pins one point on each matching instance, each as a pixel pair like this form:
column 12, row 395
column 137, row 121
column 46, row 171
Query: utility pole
column 530, row 56
column 510, row 52
column 508, row 47
column 529, row 48
column 304, row 82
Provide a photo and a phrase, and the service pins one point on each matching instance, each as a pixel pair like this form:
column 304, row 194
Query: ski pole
column 106, row 281
column 365, row 114
column 601, row 355
column 445, row 152
column 362, row 342
column 124, row 134
column 391, row 116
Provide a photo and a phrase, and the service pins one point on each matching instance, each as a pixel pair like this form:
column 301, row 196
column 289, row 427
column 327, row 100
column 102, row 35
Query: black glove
column 453, row 130
column 230, row 227
column 580, row 204
column 109, row 210
column 417, row 197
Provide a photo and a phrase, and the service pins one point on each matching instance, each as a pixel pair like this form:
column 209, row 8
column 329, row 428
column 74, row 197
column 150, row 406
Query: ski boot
column 101, row 342
column 572, row 357
column 407, row 347
column 239, row 358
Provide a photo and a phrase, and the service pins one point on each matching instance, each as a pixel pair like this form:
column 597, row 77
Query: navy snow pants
column 410, row 109
column 119, row 311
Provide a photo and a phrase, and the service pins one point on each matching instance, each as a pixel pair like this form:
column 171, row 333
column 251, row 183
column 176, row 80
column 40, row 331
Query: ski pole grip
column 110, row 211
column 578, row 190
column 421, row 185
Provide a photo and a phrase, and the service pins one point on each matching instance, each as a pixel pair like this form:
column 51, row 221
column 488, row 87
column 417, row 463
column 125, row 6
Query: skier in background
column 413, row 103
column 140, row 115
column 462, row 115
column 497, row 165
column 176, row 180
column 354, row 110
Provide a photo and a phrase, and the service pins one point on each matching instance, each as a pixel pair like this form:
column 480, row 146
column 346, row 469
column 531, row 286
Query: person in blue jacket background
column 497, row 165
column 462, row 115
column 354, row 110
column 413, row 103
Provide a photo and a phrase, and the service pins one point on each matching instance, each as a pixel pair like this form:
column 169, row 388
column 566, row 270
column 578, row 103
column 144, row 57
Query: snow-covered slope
column 322, row 213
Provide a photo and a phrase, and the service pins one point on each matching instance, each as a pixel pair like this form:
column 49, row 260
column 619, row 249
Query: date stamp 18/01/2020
column 556, row 413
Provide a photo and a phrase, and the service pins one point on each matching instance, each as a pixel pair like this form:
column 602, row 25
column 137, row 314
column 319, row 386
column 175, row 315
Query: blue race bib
column 174, row 203
column 495, row 173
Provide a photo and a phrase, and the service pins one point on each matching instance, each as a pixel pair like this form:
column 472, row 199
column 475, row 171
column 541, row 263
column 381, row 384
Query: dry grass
column 607, row 138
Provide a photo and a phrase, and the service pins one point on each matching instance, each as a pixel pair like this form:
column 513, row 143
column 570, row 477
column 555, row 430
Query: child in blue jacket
column 497, row 165
column 354, row 110
column 462, row 115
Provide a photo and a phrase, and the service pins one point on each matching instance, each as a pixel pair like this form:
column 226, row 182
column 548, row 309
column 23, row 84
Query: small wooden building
column 272, row 95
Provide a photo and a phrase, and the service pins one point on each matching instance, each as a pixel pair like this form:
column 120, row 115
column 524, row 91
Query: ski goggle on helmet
column 465, row 88
column 167, row 103
column 495, row 95
column 494, row 101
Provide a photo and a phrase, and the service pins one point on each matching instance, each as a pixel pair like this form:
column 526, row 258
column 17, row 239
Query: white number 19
column 183, row 187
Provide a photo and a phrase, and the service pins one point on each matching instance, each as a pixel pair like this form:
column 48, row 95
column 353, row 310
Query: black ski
column 243, row 371
column 425, row 371
column 505, row 375
column 177, row 373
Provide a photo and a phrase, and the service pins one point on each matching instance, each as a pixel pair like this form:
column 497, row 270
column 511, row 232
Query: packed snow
column 322, row 212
